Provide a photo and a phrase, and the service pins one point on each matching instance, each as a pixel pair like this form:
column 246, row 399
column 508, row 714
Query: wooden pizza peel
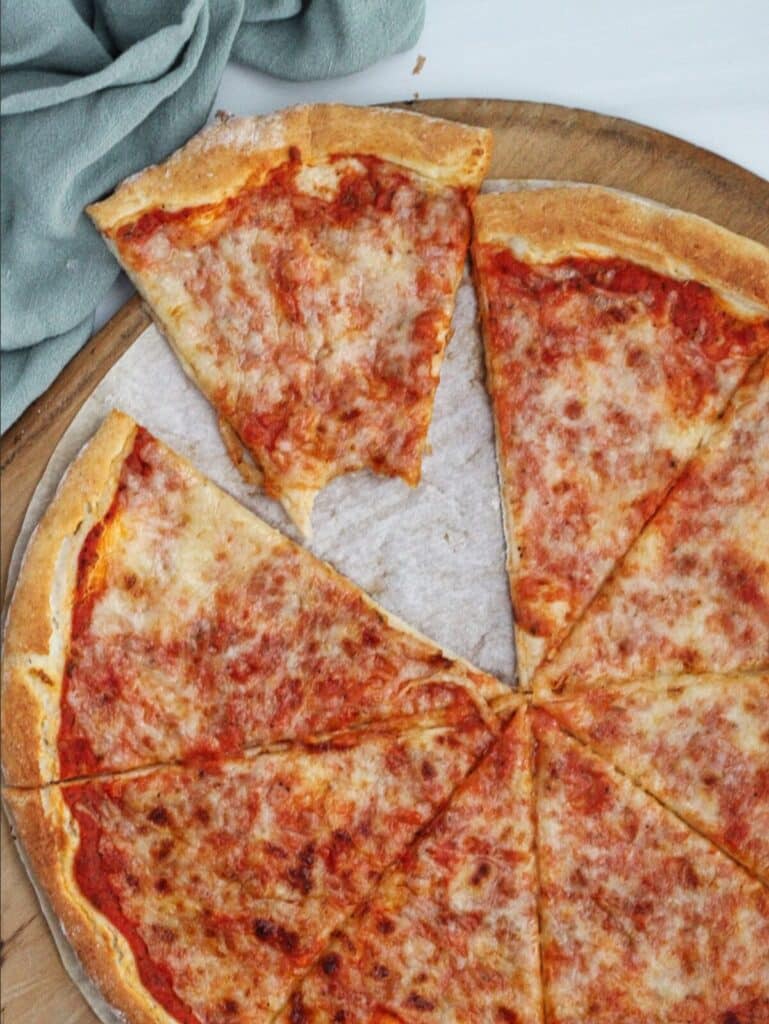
column 532, row 140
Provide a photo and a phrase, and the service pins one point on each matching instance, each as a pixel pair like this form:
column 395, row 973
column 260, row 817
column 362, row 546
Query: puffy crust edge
column 48, row 834
column 38, row 618
column 217, row 161
column 549, row 223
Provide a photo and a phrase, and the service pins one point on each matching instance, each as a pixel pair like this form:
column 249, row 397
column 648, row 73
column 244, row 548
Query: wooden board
column 532, row 140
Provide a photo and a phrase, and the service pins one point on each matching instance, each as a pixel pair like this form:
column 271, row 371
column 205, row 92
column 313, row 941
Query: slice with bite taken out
column 303, row 266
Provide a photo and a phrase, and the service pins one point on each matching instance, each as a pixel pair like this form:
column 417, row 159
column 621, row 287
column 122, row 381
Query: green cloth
column 94, row 90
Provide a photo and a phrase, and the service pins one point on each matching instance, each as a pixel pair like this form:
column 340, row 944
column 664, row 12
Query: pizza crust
column 48, row 833
column 543, row 223
column 37, row 627
column 218, row 161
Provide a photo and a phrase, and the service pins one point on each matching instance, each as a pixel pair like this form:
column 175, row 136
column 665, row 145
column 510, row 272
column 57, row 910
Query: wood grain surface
column 532, row 140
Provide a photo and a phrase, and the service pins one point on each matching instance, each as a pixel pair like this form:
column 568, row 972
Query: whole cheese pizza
column 303, row 266
column 247, row 793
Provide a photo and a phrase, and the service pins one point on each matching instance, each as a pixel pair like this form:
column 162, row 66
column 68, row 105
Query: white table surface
column 698, row 69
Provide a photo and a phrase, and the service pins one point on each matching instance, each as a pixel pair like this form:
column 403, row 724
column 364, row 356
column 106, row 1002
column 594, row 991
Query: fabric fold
column 95, row 90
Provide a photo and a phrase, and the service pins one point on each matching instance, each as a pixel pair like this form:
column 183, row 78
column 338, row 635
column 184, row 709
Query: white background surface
column 698, row 69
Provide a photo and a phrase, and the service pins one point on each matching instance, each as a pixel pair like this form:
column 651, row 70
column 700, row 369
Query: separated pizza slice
column 692, row 593
column 156, row 620
column 643, row 920
column 202, row 893
column 700, row 744
column 303, row 266
column 451, row 933
column 616, row 331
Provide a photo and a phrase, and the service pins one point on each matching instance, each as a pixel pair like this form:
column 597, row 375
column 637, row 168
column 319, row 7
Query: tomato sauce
column 92, row 876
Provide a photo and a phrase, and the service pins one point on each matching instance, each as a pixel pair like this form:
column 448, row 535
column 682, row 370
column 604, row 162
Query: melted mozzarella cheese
column 698, row 743
column 451, row 933
column 600, row 398
column 642, row 918
column 313, row 315
column 205, row 632
column 692, row 594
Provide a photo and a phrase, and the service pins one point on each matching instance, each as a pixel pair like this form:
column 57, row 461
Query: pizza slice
column 692, row 593
column 303, row 266
column 202, row 893
column 615, row 331
column 642, row 919
column 700, row 744
column 157, row 620
column 451, row 933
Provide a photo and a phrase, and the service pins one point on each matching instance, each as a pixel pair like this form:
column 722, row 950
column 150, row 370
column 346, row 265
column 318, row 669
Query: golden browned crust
column 219, row 160
column 549, row 223
column 38, row 619
column 48, row 833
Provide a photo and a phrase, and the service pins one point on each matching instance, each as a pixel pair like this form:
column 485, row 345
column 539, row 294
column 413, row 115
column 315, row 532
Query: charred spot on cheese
column 330, row 963
column 300, row 874
column 419, row 1002
column 92, row 875
column 159, row 816
column 297, row 1010
column 481, row 873
column 276, row 935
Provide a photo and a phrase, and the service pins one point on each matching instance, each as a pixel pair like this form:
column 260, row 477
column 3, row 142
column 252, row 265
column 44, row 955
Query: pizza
column 157, row 621
column 615, row 333
column 700, row 744
column 249, row 794
column 692, row 593
column 202, row 892
column 642, row 919
column 451, row 932
column 303, row 267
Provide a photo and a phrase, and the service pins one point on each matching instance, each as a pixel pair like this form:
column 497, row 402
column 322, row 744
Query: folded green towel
column 93, row 90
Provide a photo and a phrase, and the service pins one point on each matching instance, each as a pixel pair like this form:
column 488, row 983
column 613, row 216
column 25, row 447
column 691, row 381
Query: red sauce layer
column 76, row 754
column 683, row 349
column 92, row 871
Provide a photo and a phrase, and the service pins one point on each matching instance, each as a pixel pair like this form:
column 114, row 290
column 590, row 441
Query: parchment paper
column 434, row 555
